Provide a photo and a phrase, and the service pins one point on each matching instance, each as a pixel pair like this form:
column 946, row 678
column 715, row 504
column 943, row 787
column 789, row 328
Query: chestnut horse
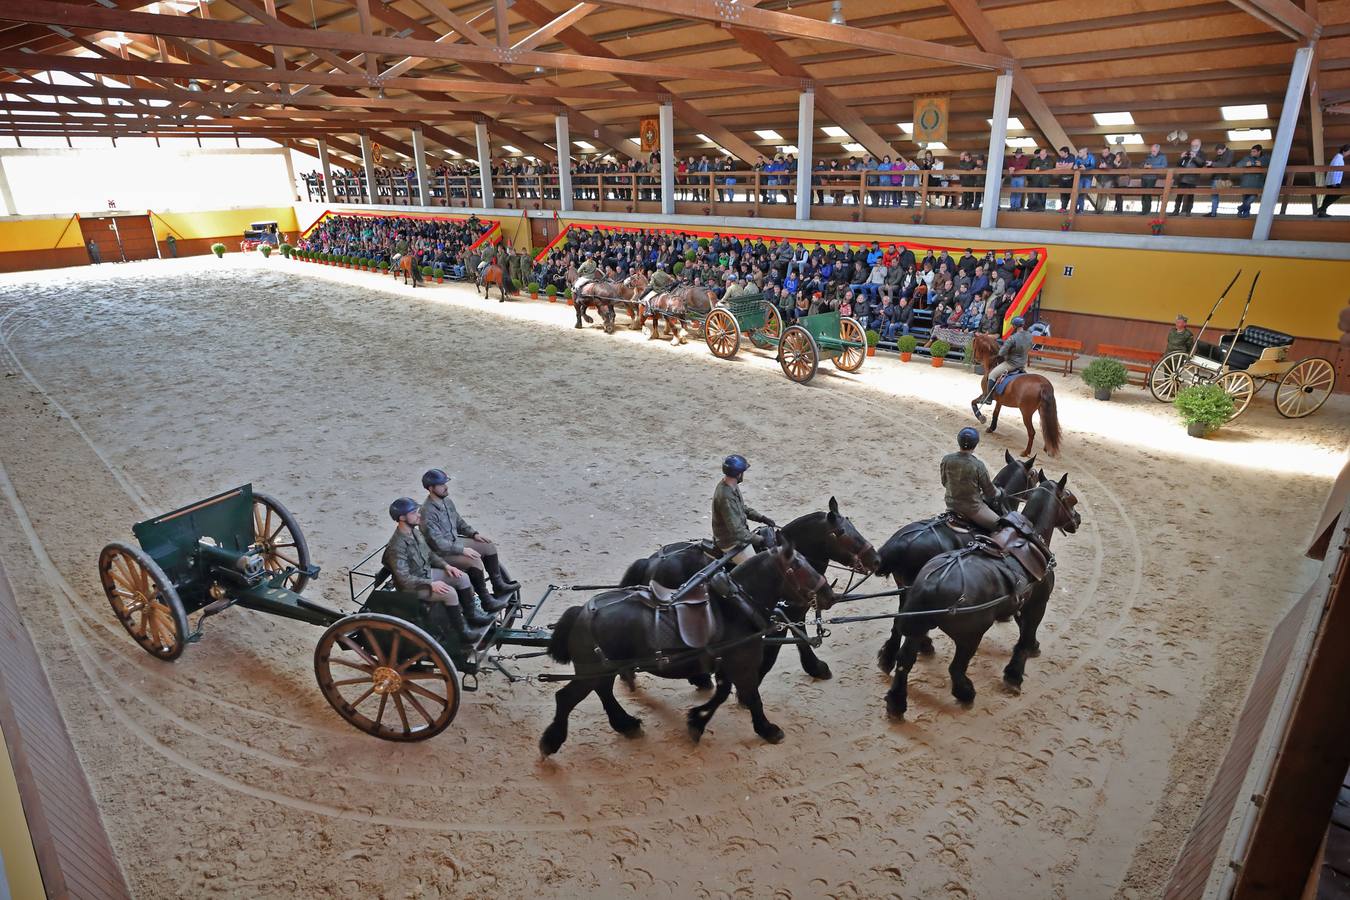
column 673, row 307
column 490, row 275
column 605, row 295
column 407, row 265
column 1028, row 393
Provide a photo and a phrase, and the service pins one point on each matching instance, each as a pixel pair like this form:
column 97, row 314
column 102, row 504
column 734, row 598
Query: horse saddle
column 959, row 523
column 1007, row 380
column 687, row 622
column 1015, row 538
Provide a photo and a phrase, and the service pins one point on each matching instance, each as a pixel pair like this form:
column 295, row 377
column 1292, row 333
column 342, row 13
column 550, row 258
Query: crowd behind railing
column 1112, row 181
column 433, row 243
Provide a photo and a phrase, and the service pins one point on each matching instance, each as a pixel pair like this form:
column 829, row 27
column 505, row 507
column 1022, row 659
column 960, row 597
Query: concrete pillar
column 564, row 136
column 667, row 159
column 368, row 157
column 327, row 169
column 484, row 161
column 998, row 138
column 293, row 192
column 6, row 195
column 806, row 141
column 1284, row 139
column 420, row 167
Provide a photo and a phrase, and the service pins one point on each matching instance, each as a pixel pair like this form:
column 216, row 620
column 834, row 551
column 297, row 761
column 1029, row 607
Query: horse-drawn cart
column 1245, row 360
column 386, row 668
column 799, row 347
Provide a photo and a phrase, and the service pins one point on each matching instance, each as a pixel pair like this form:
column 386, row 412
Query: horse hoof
column 1012, row 680
column 821, row 673
column 990, row 430
column 695, row 732
column 629, row 680
column 578, row 325
column 702, row 682
column 548, row 744
column 630, row 729
column 1035, row 650
column 895, row 707
column 926, row 647
column 773, row 734
column 964, row 693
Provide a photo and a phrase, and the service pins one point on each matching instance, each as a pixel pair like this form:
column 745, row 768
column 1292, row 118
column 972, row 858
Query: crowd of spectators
column 889, row 289
column 438, row 243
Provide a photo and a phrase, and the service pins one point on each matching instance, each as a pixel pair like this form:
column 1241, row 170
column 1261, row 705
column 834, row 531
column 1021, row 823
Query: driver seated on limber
column 463, row 546
column 416, row 569
column 731, row 515
column 969, row 489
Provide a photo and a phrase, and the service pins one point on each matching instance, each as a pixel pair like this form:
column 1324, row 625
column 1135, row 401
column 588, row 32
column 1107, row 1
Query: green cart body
column 799, row 347
column 387, row 668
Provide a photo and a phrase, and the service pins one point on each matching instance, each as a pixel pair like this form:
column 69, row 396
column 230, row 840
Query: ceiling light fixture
column 837, row 13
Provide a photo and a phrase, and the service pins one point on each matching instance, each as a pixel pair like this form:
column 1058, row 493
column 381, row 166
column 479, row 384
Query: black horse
column 618, row 626
column 973, row 578
column 822, row 537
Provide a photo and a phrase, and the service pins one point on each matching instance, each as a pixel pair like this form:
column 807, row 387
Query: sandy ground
column 134, row 389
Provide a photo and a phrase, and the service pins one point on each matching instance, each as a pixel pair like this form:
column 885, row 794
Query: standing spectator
column 1194, row 158
column 1251, row 181
column 172, row 243
column 1017, row 166
column 1223, row 159
column 1154, row 160
column 1333, row 181
column 94, row 253
column 1084, row 161
column 1064, row 166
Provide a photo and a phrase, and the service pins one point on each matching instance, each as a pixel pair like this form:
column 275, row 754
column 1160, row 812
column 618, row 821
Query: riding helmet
column 1018, row 321
column 967, row 438
column 734, row 465
column 434, row 477
column 401, row 507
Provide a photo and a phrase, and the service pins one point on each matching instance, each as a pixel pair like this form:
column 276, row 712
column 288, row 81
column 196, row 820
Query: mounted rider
column 417, row 569
column 1016, row 352
column 731, row 515
column 661, row 282
column 969, row 490
column 586, row 273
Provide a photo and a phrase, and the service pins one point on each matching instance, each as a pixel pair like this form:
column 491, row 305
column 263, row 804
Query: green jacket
column 443, row 526
column 1016, row 349
column 966, row 481
column 1180, row 340
column 587, row 269
column 410, row 561
column 730, row 516
column 661, row 280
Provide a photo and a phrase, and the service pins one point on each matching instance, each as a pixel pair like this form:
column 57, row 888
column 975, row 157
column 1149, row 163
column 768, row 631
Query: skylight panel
column 1113, row 118
column 854, row 148
column 768, row 134
column 1114, row 139
column 509, row 149
column 1249, row 134
column 1241, row 113
column 1014, row 124
column 834, row 131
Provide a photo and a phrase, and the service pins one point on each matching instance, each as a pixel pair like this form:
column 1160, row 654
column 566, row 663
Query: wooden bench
column 1134, row 359
column 1064, row 352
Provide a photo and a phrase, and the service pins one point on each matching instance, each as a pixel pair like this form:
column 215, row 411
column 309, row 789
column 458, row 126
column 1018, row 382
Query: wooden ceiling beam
column 794, row 26
column 562, row 20
column 1283, row 16
column 459, row 25
column 72, row 16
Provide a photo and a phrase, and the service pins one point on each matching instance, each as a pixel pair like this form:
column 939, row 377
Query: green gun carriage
column 799, row 347
column 386, row 668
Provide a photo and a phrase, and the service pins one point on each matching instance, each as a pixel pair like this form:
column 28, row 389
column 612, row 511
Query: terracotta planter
column 937, row 361
column 534, row 295
column 871, row 350
column 904, row 357
column 569, row 301
column 440, row 279
column 552, row 298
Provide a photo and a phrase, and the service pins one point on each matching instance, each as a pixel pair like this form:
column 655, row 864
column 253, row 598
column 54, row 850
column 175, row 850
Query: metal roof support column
column 484, row 161
column 368, row 158
column 806, row 128
column 327, row 171
column 564, row 136
column 6, row 195
column 667, row 159
column 420, row 166
column 998, row 136
column 1284, row 139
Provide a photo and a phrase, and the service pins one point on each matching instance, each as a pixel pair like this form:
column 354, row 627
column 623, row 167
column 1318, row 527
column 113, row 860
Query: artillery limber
column 1244, row 361
column 386, row 667
column 799, row 347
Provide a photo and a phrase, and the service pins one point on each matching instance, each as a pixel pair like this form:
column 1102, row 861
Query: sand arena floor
column 134, row 389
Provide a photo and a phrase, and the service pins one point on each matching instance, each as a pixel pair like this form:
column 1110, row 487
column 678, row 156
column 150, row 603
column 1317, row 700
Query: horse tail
column 562, row 633
column 1049, row 420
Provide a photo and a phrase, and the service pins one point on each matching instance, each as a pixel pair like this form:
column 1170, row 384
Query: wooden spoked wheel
column 722, row 333
column 798, row 354
column 773, row 323
column 144, row 600
column 387, row 677
column 850, row 359
column 1164, row 379
column 1241, row 387
column 278, row 535
column 1305, row 387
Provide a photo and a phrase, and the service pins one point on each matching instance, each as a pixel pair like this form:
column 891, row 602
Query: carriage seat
column 1248, row 345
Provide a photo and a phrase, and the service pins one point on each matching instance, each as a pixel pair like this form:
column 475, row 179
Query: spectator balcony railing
column 1135, row 200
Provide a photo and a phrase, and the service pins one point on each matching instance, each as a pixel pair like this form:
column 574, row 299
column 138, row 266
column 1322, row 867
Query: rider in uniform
column 730, row 512
column 1016, row 351
column 460, row 543
column 586, row 273
column 967, row 482
column 661, row 281
column 417, row 569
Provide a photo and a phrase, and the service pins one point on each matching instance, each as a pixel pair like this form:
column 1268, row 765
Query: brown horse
column 673, row 307
column 488, row 277
column 407, row 265
column 1028, row 393
column 605, row 295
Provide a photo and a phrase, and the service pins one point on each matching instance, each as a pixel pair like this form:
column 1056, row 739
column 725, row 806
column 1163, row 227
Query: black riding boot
column 480, row 588
column 450, row 621
column 473, row 613
column 501, row 585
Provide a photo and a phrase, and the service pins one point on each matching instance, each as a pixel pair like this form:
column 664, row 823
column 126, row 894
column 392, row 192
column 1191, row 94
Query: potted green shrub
column 689, row 255
column 218, row 250
column 286, row 250
column 426, row 272
column 568, row 294
column 439, row 274
column 906, row 345
column 552, row 291
column 704, row 242
column 266, row 250
column 384, row 266
column 679, row 267
column 1203, row 407
column 516, row 285
column 938, row 351
column 1105, row 375
column 533, row 288
column 872, row 337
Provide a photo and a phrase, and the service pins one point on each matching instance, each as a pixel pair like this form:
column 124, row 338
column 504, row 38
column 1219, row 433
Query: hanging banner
column 930, row 119
column 649, row 133
column 377, row 154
